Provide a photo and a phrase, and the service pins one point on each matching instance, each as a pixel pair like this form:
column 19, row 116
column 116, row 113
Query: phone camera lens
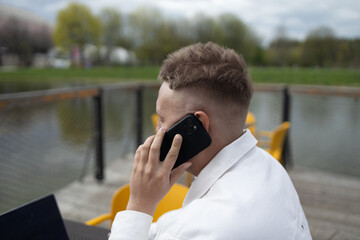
column 189, row 130
column 189, row 122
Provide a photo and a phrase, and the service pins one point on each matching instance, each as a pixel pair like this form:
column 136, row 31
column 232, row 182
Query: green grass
column 318, row 76
column 30, row 79
column 79, row 74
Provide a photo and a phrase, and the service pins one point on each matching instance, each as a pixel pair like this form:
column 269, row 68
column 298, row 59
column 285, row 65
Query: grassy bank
column 318, row 76
column 96, row 74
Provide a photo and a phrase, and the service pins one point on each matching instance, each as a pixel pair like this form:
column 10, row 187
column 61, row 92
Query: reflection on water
column 75, row 120
column 267, row 108
column 43, row 147
column 325, row 133
column 119, row 124
column 325, row 130
column 35, row 156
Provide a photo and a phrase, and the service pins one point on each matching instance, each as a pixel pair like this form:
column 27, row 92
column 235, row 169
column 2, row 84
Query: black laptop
column 41, row 220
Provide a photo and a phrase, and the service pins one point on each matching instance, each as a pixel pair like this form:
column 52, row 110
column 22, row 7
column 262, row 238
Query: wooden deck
column 331, row 202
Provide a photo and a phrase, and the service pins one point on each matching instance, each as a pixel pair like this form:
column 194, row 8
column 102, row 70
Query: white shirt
column 243, row 193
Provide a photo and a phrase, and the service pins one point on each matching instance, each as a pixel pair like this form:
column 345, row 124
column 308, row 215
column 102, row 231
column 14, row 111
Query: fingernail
column 178, row 138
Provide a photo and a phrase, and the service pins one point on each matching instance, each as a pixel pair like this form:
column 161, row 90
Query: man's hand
column 152, row 179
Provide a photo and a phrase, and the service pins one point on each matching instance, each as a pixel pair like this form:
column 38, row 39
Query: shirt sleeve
column 130, row 225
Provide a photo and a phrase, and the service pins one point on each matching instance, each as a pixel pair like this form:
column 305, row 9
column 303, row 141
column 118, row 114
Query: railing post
column 286, row 104
column 286, row 117
column 139, row 115
column 98, row 135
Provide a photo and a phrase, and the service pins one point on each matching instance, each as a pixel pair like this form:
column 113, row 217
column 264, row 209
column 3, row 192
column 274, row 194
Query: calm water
column 325, row 131
column 44, row 147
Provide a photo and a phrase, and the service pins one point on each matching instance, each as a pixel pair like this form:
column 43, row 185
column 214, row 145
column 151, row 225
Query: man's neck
column 205, row 157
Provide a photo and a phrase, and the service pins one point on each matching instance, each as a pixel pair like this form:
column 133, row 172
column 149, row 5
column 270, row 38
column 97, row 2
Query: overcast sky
column 263, row 16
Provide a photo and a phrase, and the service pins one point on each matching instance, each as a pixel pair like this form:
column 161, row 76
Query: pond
column 46, row 146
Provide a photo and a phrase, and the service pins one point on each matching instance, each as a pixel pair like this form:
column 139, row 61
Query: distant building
column 24, row 38
column 119, row 55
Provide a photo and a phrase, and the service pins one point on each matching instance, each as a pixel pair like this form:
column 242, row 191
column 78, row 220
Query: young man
column 240, row 191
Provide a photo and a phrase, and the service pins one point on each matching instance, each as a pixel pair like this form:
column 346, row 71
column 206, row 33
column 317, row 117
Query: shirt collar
column 222, row 162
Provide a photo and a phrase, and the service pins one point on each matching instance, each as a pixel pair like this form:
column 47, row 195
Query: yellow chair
column 274, row 140
column 251, row 123
column 172, row 200
column 154, row 120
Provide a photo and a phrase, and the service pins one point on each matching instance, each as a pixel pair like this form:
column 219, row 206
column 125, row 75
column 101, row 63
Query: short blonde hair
column 218, row 71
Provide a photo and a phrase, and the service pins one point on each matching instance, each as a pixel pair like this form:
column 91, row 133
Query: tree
column 343, row 53
column 238, row 36
column 15, row 38
column 355, row 52
column 205, row 29
column 111, row 30
column 319, row 48
column 75, row 27
column 153, row 36
column 23, row 39
column 41, row 38
column 234, row 32
column 283, row 51
column 144, row 25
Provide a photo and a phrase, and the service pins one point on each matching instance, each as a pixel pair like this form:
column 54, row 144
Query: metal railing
column 24, row 99
column 97, row 94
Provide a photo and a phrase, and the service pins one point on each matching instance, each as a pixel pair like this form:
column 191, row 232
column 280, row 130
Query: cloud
column 347, row 14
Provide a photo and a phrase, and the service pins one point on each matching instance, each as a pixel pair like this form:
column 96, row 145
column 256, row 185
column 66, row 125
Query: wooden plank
column 82, row 201
column 331, row 202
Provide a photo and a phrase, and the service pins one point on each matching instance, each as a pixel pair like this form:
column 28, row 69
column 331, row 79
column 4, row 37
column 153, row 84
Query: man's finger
column 154, row 154
column 137, row 157
column 144, row 150
column 173, row 153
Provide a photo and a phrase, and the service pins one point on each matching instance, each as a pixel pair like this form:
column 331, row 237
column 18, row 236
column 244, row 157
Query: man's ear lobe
column 204, row 119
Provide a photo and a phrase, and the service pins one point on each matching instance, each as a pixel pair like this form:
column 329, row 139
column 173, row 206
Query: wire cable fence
column 54, row 137
column 42, row 148
column 49, row 139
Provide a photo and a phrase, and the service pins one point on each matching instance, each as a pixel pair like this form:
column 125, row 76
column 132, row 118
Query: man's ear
column 204, row 119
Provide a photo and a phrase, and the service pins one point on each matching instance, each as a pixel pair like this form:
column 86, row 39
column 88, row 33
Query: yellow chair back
column 154, row 120
column 172, row 200
column 251, row 122
column 120, row 200
column 277, row 139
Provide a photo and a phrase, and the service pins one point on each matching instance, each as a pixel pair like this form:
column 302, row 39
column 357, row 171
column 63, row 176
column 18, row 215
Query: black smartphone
column 195, row 139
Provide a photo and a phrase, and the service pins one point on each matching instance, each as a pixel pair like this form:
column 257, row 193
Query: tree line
column 151, row 36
